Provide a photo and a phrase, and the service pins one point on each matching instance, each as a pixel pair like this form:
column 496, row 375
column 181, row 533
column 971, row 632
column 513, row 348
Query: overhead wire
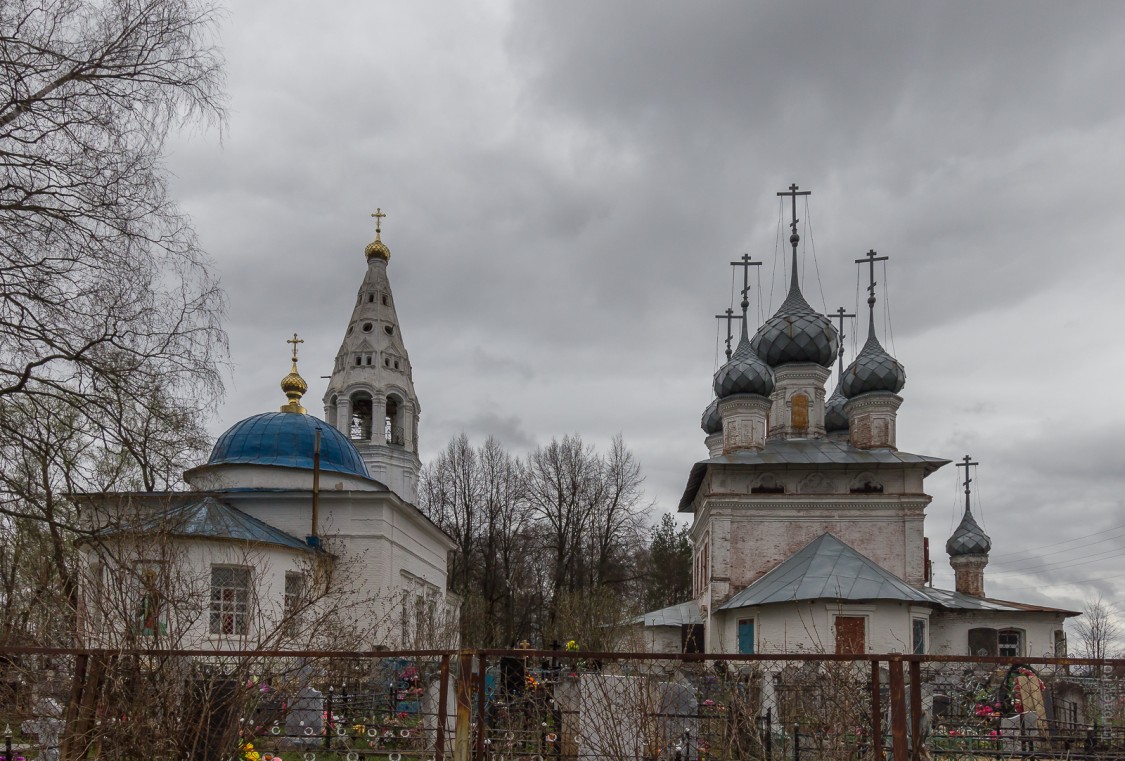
column 1056, row 544
column 776, row 246
column 888, row 325
column 816, row 263
column 1082, row 548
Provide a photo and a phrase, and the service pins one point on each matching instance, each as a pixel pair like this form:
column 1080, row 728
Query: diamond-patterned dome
column 873, row 370
column 796, row 333
column 968, row 539
column 834, row 417
column 712, row 422
column 745, row 373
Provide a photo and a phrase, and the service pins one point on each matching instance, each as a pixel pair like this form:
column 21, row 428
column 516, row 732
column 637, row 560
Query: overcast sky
column 566, row 183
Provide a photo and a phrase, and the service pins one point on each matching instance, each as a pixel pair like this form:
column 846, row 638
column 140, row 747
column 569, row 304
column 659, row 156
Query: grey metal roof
column 210, row 518
column 675, row 615
column 826, row 569
column 951, row 600
column 778, row 455
column 969, row 538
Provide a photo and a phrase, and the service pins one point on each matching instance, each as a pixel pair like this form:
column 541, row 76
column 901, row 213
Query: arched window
column 396, row 433
column 361, row 416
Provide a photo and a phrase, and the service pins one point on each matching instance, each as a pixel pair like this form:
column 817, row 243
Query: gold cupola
column 377, row 247
column 293, row 384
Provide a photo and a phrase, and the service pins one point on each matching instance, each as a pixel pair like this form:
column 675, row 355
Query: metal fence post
column 462, row 731
column 898, row 709
column 876, row 711
column 916, row 738
column 442, row 714
column 482, row 704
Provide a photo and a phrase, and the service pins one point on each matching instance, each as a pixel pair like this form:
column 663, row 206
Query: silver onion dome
column 744, row 373
column 968, row 539
column 834, row 417
column 873, row 370
column 796, row 333
column 712, row 421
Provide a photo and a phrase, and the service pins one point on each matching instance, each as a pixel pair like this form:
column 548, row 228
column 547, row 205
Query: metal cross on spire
column 730, row 317
column 794, row 237
column 965, row 463
column 294, row 340
column 745, row 262
column 870, row 258
column 841, row 315
column 378, row 220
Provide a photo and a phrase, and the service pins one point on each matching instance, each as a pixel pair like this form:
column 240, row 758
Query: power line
column 1056, row 544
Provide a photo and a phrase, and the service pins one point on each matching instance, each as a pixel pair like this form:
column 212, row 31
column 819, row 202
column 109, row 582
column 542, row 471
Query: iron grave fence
column 533, row 705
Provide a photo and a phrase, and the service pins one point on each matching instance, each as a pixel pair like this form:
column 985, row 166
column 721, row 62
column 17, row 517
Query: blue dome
column 287, row 439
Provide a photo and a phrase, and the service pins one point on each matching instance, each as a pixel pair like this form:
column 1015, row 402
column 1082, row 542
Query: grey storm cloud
column 566, row 183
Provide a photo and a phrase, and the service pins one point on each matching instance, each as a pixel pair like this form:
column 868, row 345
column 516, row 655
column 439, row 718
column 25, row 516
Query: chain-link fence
column 530, row 705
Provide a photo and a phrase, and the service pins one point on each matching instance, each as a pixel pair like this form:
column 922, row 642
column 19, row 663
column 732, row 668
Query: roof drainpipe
column 313, row 540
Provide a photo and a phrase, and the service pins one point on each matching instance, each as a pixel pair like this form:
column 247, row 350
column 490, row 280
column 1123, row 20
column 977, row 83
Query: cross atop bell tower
column 370, row 396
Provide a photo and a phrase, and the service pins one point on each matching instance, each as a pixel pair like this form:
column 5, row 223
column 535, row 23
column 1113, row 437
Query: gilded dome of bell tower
column 293, row 384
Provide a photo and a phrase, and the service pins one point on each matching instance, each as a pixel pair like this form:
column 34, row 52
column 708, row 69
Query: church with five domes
column 807, row 520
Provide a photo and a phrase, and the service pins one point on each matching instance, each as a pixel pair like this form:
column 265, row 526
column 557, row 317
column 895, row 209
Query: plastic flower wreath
column 248, row 753
column 571, row 646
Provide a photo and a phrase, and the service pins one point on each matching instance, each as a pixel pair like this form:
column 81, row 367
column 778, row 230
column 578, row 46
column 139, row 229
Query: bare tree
column 110, row 318
column 1098, row 632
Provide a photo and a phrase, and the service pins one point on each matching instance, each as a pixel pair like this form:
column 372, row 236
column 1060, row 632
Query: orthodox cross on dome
column 378, row 221
column 794, row 237
column 294, row 340
column 871, row 258
column 841, row 315
column 730, row 317
column 745, row 262
column 965, row 463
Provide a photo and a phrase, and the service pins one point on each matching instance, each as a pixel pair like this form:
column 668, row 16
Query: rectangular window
column 746, row 636
column 294, row 588
column 919, row 636
column 1010, row 643
column 851, row 635
column 230, row 600
column 150, row 620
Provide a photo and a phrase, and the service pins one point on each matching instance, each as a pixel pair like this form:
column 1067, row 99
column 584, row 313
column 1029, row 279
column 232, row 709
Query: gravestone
column 47, row 726
column 1017, row 732
column 304, row 723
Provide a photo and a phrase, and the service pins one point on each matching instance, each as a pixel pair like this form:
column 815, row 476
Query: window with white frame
column 1010, row 642
column 230, row 600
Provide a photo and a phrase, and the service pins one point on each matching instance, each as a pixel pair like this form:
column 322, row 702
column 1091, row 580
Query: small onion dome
column 377, row 248
column 796, row 333
column 744, row 373
column 968, row 539
column 873, row 370
column 834, row 417
column 712, row 422
column 294, row 387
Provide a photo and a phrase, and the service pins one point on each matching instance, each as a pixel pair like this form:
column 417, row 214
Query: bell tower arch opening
column 393, row 421
column 361, row 404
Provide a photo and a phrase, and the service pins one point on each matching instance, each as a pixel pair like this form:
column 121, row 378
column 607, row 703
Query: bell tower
column 370, row 396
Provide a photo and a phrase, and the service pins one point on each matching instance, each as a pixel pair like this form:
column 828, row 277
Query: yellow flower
column 571, row 646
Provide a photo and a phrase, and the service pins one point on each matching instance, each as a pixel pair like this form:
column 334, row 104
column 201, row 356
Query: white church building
column 296, row 531
column 807, row 524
